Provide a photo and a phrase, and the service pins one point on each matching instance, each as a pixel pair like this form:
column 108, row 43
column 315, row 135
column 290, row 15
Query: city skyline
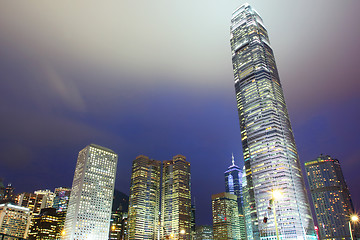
column 56, row 93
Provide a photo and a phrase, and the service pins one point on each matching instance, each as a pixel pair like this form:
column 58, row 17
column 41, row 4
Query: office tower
column 35, row 202
column 46, row 225
column 89, row 210
column 270, row 156
column 9, row 194
column 14, row 221
column 204, row 232
column 233, row 185
column 119, row 214
column 330, row 196
column 225, row 216
column 61, row 200
column 176, row 199
column 193, row 221
column 49, row 197
column 144, row 200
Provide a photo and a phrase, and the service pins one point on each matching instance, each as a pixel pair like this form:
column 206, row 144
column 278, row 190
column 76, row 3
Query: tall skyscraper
column 89, row 210
column 270, row 154
column 46, row 225
column 330, row 196
column 225, row 216
column 233, row 185
column 35, row 202
column 144, row 199
column 176, row 199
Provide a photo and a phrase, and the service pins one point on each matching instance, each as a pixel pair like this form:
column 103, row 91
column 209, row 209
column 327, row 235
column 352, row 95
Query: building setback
column 89, row 210
column 144, row 199
column 270, row 155
column 225, row 216
column 176, row 199
column 330, row 196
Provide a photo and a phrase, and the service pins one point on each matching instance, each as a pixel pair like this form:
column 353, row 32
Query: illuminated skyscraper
column 331, row 197
column 225, row 216
column 270, row 154
column 233, row 185
column 176, row 199
column 89, row 210
column 144, row 199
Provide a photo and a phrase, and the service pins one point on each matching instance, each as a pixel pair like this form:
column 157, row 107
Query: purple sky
column 155, row 78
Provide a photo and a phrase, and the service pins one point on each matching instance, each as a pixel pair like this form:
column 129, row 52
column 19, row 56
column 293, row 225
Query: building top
column 224, row 195
column 102, row 148
column 321, row 159
column 14, row 206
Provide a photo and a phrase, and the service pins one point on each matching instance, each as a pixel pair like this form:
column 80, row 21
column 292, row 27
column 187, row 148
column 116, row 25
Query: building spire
column 232, row 157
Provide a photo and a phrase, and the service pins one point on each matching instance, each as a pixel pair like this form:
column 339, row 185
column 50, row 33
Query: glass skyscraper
column 233, row 185
column 270, row 154
column 144, row 200
column 89, row 209
column 330, row 196
column 176, row 199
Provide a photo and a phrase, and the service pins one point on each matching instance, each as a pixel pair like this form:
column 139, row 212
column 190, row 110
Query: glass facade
column 330, row 196
column 270, row 155
column 144, row 199
column 225, row 216
column 89, row 210
column 233, row 185
column 176, row 199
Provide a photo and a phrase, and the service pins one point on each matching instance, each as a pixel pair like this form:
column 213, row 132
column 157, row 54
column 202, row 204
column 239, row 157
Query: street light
column 353, row 218
column 276, row 195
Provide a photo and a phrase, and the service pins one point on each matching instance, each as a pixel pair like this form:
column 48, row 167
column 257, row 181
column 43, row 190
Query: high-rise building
column 193, row 221
column 144, row 200
column 270, row 155
column 119, row 214
column 89, row 210
column 14, row 221
column 49, row 200
column 233, row 185
column 35, row 202
column 176, row 199
column 2, row 190
column 9, row 194
column 225, row 216
column 204, row 232
column 330, row 196
column 61, row 200
column 46, row 225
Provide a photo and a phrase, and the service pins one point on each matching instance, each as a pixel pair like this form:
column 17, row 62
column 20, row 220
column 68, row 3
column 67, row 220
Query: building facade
column 225, row 216
column 14, row 221
column 330, row 196
column 144, row 199
column 270, row 155
column 204, row 232
column 233, row 185
column 176, row 199
column 46, row 225
column 61, row 200
column 34, row 202
column 89, row 210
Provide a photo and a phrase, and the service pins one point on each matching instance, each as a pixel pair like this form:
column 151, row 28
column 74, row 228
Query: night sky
column 155, row 78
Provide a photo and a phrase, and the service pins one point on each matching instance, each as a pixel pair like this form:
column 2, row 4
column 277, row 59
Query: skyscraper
column 270, row 154
column 144, row 199
column 225, row 216
column 330, row 196
column 176, row 199
column 233, row 185
column 89, row 210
